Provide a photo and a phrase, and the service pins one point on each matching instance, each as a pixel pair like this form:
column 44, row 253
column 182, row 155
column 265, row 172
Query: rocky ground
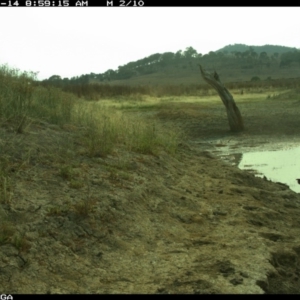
column 133, row 223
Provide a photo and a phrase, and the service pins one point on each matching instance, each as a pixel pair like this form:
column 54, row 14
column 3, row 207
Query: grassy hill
column 236, row 64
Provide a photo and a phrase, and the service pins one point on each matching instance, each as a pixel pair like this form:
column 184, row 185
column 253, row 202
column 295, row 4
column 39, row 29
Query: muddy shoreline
column 270, row 125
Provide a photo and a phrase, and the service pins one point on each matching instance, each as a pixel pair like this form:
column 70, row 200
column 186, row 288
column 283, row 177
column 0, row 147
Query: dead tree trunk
column 233, row 113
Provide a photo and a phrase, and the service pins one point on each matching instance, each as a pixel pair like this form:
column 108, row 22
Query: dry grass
column 105, row 127
column 102, row 127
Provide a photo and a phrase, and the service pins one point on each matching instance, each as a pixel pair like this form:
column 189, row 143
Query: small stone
column 237, row 280
column 244, row 274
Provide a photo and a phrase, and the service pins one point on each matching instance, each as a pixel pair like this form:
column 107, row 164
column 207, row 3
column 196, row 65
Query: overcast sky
column 73, row 41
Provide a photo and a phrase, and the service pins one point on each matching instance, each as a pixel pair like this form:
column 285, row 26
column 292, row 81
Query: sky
column 71, row 41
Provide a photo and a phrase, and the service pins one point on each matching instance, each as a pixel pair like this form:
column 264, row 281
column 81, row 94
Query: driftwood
column 233, row 113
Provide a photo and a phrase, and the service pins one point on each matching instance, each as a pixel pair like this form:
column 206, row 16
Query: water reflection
column 280, row 165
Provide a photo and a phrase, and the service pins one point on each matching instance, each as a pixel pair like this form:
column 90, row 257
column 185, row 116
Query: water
column 278, row 162
column 280, row 165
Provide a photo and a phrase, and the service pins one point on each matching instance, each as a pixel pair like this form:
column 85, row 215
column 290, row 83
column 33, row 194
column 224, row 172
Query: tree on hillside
column 289, row 58
column 54, row 78
column 167, row 56
column 263, row 57
column 237, row 54
column 178, row 55
column 154, row 58
column 190, row 52
column 233, row 113
column 254, row 55
column 109, row 75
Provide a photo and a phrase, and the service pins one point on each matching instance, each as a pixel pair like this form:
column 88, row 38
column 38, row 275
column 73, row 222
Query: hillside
column 270, row 49
column 234, row 63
